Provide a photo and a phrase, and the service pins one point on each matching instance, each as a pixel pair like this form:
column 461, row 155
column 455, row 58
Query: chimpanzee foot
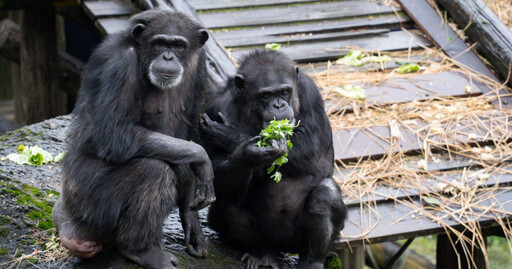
column 80, row 248
column 196, row 243
column 152, row 257
column 256, row 259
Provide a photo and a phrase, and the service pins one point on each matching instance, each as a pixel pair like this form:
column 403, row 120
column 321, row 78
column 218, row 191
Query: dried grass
column 445, row 125
column 502, row 9
column 53, row 251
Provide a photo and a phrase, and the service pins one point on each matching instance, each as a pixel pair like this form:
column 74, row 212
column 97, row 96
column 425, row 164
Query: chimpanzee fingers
column 224, row 119
column 205, row 119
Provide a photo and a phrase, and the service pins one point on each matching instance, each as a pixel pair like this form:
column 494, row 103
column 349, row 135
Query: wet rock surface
column 28, row 193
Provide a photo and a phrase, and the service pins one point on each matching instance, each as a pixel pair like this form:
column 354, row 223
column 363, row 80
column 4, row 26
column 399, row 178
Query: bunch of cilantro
column 276, row 130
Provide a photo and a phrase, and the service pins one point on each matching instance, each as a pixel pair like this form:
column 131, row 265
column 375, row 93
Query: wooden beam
column 41, row 97
column 429, row 21
column 326, row 50
column 302, row 13
column 493, row 39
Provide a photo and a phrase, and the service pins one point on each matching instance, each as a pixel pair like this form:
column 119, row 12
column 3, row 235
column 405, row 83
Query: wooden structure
column 316, row 31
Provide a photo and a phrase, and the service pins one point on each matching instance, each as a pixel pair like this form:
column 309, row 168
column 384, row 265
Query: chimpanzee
column 304, row 212
column 130, row 158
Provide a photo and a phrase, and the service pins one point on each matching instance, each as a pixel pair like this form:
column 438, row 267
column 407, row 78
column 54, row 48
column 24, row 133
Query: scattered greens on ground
column 273, row 46
column 35, row 156
column 358, row 58
column 352, row 91
column 276, row 130
column 407, row 68
column 59, row 157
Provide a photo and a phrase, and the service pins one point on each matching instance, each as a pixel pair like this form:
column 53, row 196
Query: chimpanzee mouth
column 164, row 81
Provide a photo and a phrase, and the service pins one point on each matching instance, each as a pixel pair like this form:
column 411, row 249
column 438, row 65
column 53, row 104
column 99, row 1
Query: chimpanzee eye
column 180, row 47
column 159, row 47
column 265, row 96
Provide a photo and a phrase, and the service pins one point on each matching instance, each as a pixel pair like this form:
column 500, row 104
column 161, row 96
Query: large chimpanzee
column 304, row 212
column 129, row 159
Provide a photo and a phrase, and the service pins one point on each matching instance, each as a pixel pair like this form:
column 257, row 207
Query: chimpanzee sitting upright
column 304, row 212
column 129, row 158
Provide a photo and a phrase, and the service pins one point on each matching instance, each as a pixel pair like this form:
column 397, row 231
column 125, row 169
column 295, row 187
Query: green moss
column 34, row 199
column 4, row 231
column 4, row 220
column 3, row 251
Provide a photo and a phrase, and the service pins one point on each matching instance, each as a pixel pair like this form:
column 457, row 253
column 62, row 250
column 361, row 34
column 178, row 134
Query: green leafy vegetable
column 358, row 58
column 60, row 156
column 353, row 58
column 431, row 201
column 352, row 91
column 276, row 130
column 273, row 46
column 36, row 159
column 35, row 156
column 407, row 68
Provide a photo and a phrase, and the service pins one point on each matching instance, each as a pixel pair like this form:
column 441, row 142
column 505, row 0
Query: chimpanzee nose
column 168, row 56
column 279, row 104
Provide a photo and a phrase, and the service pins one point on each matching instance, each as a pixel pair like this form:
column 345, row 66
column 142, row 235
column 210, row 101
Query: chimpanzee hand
column 204, row 194
column 221, row 136
column 251, row 155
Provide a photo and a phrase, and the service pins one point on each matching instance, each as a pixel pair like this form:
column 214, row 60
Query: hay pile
column 447, row 129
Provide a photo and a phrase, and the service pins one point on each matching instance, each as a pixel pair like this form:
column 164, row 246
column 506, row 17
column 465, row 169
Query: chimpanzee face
column 271, row 92
column 166, row 50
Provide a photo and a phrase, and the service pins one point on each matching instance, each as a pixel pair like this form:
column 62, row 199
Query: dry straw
column 467, row 131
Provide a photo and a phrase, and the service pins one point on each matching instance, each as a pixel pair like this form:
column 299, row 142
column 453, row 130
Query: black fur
column 304, row 212
column 129, row 157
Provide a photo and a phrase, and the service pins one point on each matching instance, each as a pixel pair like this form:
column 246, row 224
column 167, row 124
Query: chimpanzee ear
column 296, row 69
column 203, row 33
column 137, row 30
column 239, row 82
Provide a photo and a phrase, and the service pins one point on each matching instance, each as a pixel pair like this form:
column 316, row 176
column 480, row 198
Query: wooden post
column 40, row 95
column 448, row 258
column 354, row 259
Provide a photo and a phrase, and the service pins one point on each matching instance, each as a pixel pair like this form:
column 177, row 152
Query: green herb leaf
column 273, row 46
column 431, row 200
column 276, row 130
column 408, row 68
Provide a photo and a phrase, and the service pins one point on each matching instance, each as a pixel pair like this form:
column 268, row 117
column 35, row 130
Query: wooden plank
column 493, row 38
column 355, row 143
column 394, row 221
column 219, row 65
column 224, row 4
column 383, row 193
column 289, row 39
column 100, row 9
column 444, row 37
column 395, row 40
column 421, row 87
column 384, row 21
column 303, row 13
column 113, row 25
